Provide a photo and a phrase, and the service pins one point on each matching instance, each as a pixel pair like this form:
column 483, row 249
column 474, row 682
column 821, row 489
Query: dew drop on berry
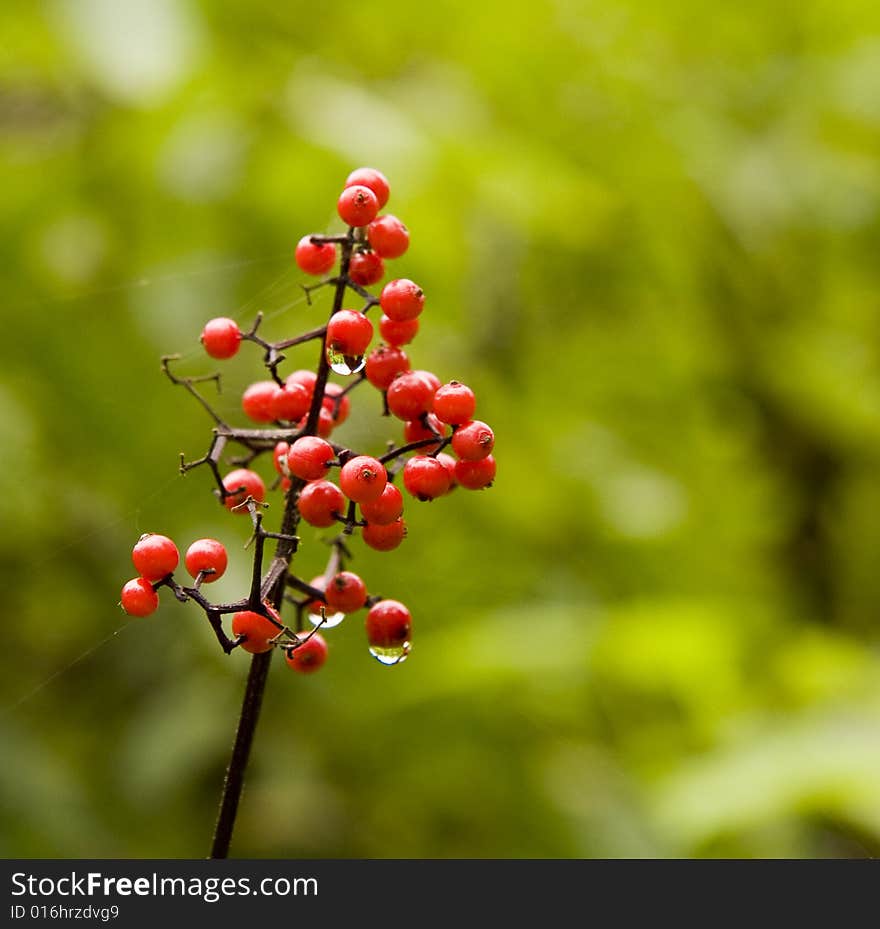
column 330, row 620
column 345, row 364
column 390, row 655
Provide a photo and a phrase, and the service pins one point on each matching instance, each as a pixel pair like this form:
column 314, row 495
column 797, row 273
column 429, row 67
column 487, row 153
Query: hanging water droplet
column 392, row 655
column 344, row 364
column 331, row 620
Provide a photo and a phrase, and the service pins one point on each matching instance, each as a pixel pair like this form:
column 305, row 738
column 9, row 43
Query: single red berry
column 410, row 395
column 320, row 502
column 285, row 484
column 386, row 508
column 454, row 403
column 384, row 538
column 279, row 458
column 357, row 205
column 206, row 555
column 389, row 624
column 304, row 377
column 252, row 485
column 398, row 332
column 366, row 268
column 154, row 556
column 138, row 597
column 326, row 423
column 346, row 592
column 425, row 478
column 425, row 427
column 375, row 180
column 290, row 402
column 309, row 457
column 473, row 440
column 384, row 364
column 402, row 300
column 363, row 479
column 349, row 333
column 338, row 410
column 309, row 656
column 430, row 377
column 388, row 236
column 315, row 257
column 258, row 399
column 221, row 337
column 449, row 463
column 475, row 475
column 257, row 629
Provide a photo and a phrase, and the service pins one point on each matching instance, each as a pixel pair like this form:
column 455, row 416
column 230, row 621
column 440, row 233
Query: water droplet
column 345, row 364
column 332, row 619
column 390, row 656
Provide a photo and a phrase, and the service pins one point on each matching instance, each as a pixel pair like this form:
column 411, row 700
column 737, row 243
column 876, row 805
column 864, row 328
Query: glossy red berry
column 252, row 485
column 257, row 629
column 425, row 427
column 138, row 597
column 154, row 556
column 349, row 333
column 430, row 377
column 388, row 236
column 221, row 337
column 410, row 395
column 363, row 479
column 398, row 332
column 425, row 478
column 290, row 402
column 375, row 180
column 279, row 458
column 449, row 463
column 388, row 624
column 384, row 538
column 357, row 205
column 454, row 403
column 366, row 268
column 309, row 656
column 386, row 508
column 309, row 457
column 320, row 502
column 475, row 475
column 315, row 258
column 345, row 592
column 473, row 440
column 384, row 364
column 206, row 555
column 304, row 377
column 402, row 300
column 338, row 410
column 257, row 401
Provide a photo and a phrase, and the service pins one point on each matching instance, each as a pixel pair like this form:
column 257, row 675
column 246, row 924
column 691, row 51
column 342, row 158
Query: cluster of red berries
column 434, row 416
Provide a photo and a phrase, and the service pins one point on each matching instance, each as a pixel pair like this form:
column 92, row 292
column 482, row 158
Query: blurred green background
column 649, row 235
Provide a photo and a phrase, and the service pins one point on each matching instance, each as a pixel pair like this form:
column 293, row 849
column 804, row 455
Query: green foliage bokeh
column 649, row 236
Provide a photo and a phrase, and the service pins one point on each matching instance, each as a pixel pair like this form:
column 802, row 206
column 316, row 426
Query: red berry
column 258, row 399
column 346, row 592
column 338, row 411
column 304, row 377
column 279, row 458
column 257, row 629
column 221, row 337
column 389, row 624
column 319, row 502
column 375, row 180
column 138, row 597
column 315, row 258
column 206, row 555
column 363, row 479
column 430, row 377
column 454, row 403
column 309, row 656
column 357, row 205
column 366, row 268
column 309, row 458
column 386, row 508
column 425, row 478
column 425, row 427
column 384, row 538
column 449, row 463
column 384, row 364
column 253, row 487
column 474, row 475
column 286, row 484
column 402, row 300
column 154, row 556
column 473, row 440
column 349, row 333
column 388, row 236
column 410, row 395
column 398, row 332
column 290, row 402
column 326, row 423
